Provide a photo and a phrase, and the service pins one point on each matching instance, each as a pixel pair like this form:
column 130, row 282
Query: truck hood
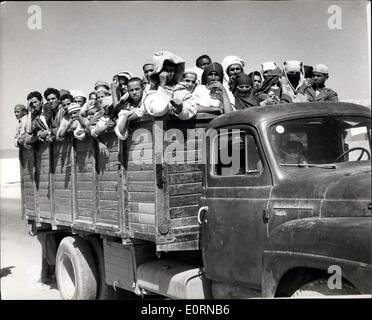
column 344, row 191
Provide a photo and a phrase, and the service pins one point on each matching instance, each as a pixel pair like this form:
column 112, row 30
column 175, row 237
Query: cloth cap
column 320, row 68
column 73, row 107
column 63, row 91
column 77, row 93
column 148, row 62
column 102, row 89
column 20, row 106
column 125, row 74
column 214, row 66
column 158, row 61
column 191, row 71
column 101, row 84
column 293, row 66
column 230, row 60
column 267, row 66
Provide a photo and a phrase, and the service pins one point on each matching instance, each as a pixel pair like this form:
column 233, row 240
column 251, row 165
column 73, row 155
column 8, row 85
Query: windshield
column 321, row 140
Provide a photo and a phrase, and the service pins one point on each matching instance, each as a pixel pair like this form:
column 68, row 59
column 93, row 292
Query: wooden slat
column 45, row 215
column 141, row 175
column 84, row 167
column 186, row 211
column 66, row 194
column 44, row 207
column 30, row 206
column 44, row 185
column 140, row 146
column 184, row 200
column 183, row 222
column 86, row 203
column 143, row 186
column 84, row 185
column 108, row 168
column 113, row 156
column 195, row 229
column 62, row 202
column 30, row 212
column 142, row 218
column 148, row 208
column 44, row 200
column 109, row 176
column 28, row 192
column 42, row 177
column 108, row 185
column 108, row 205
column 189, row 156
column 134, row 166
column 141, row 196
column 178, row 189
column 62, row 177
column 84, row 176
column 29, row 199
column 63, row 208
column 143, row 228
column 84, row 212
column 28, row 185
column 28, row 178
column 138, row 156
column 63, row 217
column 184, row 167
column 111, row 215
column 85, row 194
column 189, row 177
column 109, row 195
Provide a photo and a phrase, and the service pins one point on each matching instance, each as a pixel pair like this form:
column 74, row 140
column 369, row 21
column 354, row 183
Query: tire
column 75, row 270
column 319, row 288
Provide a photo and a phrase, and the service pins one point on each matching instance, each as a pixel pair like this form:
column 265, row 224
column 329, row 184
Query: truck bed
column 144, row 190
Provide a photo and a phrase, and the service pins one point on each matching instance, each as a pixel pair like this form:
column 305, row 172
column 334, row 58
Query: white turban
column 229, row 61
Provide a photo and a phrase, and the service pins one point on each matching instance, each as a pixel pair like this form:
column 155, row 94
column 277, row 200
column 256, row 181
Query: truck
column 267, row 202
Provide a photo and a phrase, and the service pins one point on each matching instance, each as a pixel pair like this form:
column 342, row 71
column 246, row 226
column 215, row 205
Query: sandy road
column 20, row 258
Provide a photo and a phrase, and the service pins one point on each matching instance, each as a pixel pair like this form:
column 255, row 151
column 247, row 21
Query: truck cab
column 286, row 198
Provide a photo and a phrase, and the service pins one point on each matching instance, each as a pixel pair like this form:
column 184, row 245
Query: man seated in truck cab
column 292, row 153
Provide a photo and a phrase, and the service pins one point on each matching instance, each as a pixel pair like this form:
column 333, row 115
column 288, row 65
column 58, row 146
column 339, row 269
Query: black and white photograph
column 185, row 150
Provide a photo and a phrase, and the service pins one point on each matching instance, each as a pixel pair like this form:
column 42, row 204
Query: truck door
column 237, row 188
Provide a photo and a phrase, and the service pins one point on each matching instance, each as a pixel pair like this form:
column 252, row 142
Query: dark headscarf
column 246, row 99
column 272, row 78
column 214, row 66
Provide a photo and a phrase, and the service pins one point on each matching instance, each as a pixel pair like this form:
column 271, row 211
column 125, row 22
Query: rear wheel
column 75, row 270
column 319, row 288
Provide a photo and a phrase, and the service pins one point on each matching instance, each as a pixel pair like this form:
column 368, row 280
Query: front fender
column 319, row 243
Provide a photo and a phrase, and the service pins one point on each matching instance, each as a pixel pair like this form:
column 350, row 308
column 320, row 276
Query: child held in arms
column 20, row 112
column 70, row 122
column 103, row 121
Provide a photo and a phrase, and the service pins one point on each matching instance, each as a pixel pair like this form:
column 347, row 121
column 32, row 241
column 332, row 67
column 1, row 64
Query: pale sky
column 82, row 42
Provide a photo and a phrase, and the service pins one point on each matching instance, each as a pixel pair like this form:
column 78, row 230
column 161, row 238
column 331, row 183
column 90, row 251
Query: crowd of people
column 166, row 87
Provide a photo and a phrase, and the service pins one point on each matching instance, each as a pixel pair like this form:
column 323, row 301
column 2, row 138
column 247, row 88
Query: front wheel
column 75, row 270
column 319, row 288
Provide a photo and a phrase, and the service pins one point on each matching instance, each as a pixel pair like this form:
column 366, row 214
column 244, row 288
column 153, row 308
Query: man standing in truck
column 317, row 91
column 53, row 110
